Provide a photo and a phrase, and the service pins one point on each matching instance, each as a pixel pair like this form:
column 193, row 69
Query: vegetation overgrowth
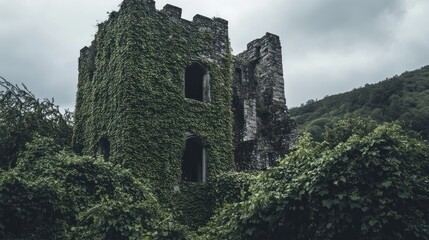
column 363, row 180
column 367, row 183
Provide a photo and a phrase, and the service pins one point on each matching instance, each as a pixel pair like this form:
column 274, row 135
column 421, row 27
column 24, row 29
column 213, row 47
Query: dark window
column 197, row 83
column 104, row 148
column 194, row 161
column 239, row 74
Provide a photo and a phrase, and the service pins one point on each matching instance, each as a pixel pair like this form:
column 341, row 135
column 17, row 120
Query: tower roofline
column 269, row 36
column 176, row 13
column 172, row 11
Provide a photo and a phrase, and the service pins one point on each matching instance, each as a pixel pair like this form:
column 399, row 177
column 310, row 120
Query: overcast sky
column 329, row 46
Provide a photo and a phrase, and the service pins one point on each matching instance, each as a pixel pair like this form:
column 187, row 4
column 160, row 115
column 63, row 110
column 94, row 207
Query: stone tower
column 262, row 127
column 164, row 97
column 154, row 95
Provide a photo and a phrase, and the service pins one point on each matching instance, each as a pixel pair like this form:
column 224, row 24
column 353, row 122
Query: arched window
column 197, row 82
column 194, row 161
column 104, row 148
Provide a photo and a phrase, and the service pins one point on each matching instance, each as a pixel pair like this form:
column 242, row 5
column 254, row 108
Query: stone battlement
column 175, row 12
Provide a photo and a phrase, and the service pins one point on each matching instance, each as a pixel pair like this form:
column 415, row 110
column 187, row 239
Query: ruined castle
column 165, row 97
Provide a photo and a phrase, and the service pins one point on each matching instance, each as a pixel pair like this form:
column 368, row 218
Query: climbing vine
column 131, row 92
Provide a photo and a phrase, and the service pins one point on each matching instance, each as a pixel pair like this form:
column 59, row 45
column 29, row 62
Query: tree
column 22, row 115
column 402, row 98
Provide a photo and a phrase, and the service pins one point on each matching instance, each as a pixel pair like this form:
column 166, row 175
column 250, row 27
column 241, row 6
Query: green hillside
column 403, row 98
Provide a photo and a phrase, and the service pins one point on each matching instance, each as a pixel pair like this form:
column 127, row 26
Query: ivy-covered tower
column 154, row 94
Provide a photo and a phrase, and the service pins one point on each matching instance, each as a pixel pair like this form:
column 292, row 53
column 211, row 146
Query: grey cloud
column 329, row 46
column 341, row 24
column 40, row 43
column 343, row 15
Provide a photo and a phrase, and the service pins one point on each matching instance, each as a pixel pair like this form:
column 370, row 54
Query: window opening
column 197, row 83
column 194, row 161
column 104, row 148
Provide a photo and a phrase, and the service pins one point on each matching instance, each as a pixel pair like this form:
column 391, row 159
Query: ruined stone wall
column 262, row 127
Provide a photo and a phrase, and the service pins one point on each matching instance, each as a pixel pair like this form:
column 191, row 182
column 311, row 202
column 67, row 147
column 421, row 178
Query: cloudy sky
column 329, row 46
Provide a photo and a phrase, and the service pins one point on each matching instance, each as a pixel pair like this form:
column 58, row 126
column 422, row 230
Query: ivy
column 131, row 91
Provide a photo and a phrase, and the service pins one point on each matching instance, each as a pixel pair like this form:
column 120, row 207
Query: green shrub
column 52, row 194
column 373, row 184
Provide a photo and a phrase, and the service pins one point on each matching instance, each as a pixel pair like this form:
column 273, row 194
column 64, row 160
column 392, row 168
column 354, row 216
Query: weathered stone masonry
column 262, row 129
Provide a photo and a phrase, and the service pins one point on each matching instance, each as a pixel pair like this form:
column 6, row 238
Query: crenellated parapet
column 172, row 11
column 198, row 20
column 218, row 27
column 200, row 24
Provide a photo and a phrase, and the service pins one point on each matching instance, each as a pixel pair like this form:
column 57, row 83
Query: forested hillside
column 403, row 98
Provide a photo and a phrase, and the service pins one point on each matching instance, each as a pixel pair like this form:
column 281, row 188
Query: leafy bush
column 230, row 187
column 31, row 209
column 194, row 203
column 373, row 184
column 53, row 194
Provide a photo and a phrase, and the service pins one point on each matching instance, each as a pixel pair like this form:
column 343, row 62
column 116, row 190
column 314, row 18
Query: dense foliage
column 47, row 192
column 52, row 194
column 402, row 98
column 202, row 200
column 22, row 115
column 363, row 181
column 368, row 183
